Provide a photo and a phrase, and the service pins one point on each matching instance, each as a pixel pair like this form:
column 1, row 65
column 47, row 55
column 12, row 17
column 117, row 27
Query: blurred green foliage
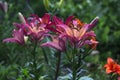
column 12, row 56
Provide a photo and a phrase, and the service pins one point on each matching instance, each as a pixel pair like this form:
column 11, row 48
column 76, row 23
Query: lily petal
column 94, row 22
column 83, row 31
column 10, row 40
column 68, row 20
column 46, row 18
column 67, row 29
column 57, row 20
column 110, row 60
column 88, row 35
column 18, row 37
column 53, row 45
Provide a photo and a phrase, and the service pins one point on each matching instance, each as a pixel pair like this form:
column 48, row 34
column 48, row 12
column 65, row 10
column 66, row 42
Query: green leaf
column 105, row 34
column 66, row 77
column 85, row 78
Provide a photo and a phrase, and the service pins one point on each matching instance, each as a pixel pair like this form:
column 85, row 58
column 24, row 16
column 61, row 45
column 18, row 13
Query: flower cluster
column 112, row 66
column 71, row 35
column 72, row 30
column 32, row 28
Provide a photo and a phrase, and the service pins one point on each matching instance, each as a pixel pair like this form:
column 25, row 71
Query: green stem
column 86, row 54
column 45, row 56
column 74, row 69
column 111, row 78
column 58, row 65
column 79, row 60
column 68, row 57
column 74, row 64
column 34, row 61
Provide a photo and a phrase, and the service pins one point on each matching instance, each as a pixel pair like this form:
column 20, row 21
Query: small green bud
column 46, row 4
column 60, row 3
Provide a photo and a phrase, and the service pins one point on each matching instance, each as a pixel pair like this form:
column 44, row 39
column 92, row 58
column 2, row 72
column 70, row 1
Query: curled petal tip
column 95, row 20
column 19, row 13
column 97, row 17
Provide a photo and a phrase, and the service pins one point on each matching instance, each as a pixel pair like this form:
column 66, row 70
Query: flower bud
column 46, row 4
column 4, row 6
column 60, row 3
column 21, row 17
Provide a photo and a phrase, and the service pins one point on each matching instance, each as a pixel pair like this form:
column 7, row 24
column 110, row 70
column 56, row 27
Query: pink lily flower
column 33, row 27
column 57, row 21
column 76, row 31
column 18, row 37
column 57, row 43
column 21, row 26
column 36, row 27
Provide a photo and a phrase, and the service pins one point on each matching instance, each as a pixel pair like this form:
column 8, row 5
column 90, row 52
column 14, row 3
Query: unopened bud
column 21, row 17
column 5, row 7
column 60, row 3
column 46, row 4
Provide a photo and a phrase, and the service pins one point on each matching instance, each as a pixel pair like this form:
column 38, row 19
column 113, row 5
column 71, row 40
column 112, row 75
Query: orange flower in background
column 112, row 66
